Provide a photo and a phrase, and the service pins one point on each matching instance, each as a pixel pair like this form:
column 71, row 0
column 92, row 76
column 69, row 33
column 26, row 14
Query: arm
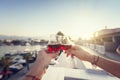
column 38, row 68
column 109, row 65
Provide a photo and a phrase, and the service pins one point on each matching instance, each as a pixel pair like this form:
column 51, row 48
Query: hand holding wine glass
column 54, row 47
column 67, row 44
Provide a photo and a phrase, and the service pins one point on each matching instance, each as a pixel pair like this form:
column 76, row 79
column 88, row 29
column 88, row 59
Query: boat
column 16, row 67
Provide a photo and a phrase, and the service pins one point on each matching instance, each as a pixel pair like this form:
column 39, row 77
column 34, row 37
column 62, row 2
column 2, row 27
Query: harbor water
column 7, row 49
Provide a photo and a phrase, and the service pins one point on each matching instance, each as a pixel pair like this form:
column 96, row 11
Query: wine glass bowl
column 66, row 43
column 53, row 48
column 53, row 44
column 66, row 46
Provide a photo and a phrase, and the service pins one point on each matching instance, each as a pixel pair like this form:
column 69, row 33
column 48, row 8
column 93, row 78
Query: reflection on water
column 4, row 49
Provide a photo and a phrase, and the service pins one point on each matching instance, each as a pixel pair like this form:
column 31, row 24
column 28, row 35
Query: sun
column 87, row 36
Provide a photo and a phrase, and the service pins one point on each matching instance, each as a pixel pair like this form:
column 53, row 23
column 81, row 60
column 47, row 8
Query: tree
column 6, row 62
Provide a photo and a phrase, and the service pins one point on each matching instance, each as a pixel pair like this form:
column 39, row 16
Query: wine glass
column 54, row 44
column 66, row 43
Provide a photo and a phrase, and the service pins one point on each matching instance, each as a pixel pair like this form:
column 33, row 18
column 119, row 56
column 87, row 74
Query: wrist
column 90, row 58
column 93, row 59
column 36, row 72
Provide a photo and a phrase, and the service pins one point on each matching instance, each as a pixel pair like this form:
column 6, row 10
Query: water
column 5, row 49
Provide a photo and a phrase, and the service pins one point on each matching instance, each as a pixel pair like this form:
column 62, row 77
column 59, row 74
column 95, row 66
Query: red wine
column 54, row 47
column 65, row 46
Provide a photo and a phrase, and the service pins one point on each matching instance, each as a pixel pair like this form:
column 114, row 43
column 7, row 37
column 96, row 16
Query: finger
column 68, row 55
column 72, row 55
column 54, row 55
column 67, row 51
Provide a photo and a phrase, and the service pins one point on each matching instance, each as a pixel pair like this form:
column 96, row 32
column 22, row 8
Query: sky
column 76, row 18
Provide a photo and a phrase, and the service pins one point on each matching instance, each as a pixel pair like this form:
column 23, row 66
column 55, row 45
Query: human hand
column 39, row 67
column 46, row 57
column 79, row 52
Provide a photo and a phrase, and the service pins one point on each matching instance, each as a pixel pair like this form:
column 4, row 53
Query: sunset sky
column 76, row 18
